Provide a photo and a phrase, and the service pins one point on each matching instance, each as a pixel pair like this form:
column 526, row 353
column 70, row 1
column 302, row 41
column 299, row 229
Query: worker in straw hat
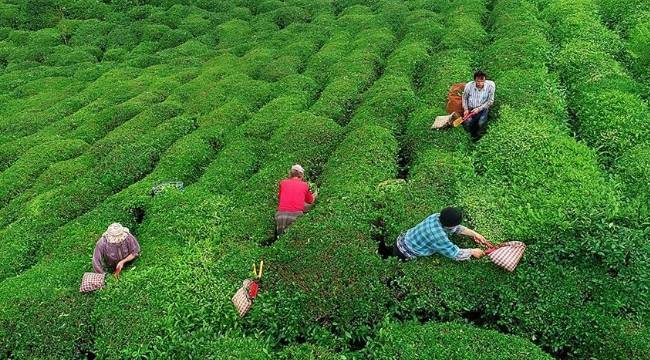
column 114, row 249
column 294, row 199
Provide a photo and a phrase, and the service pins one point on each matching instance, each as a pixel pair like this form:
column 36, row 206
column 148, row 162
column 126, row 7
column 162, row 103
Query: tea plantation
column 102, row 100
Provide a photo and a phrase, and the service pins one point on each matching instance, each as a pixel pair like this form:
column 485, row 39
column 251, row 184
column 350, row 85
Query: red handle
column 485, row 243
column 252, row 290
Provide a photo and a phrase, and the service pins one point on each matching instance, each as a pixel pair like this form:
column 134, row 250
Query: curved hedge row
column 22, row 173
column 65, row 256
column 237, row 134
column 349, row 78
column 545, row 199
column 608, row 110
column 446, row 341
column 344, row 293
column 639, row 48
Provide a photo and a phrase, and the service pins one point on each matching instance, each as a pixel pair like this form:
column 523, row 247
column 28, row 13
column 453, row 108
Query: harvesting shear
column 254, row 287
column 459, row 121
column 258, row 275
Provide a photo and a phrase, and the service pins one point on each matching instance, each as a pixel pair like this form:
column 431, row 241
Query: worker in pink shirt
column 294, row 199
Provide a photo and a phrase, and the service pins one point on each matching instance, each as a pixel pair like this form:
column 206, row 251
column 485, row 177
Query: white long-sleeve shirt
column 474, row 97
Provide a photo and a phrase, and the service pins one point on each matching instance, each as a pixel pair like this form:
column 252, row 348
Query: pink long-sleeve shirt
column 293, row 194
column 107, row 255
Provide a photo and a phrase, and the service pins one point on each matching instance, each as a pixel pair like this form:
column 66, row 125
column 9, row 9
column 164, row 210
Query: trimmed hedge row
column 90, row 100
column 540, row 194
column 115, row 170
column 609, row 110
column 446, row 341
column 344, row 293
column 623, row 17
column 349, row 78
column 304, row 138
column 639, row 48
column 22, row 173
column 186, row 220
column 387, row 103
column 120, row 142
column 610, row 114
column 184, row 215
column 558, row 221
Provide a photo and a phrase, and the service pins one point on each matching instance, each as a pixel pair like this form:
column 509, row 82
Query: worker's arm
column 121, row 264
column 134, row 251
column 469, row 232
column 309, row 197
column 465, row 254
column 452, row 251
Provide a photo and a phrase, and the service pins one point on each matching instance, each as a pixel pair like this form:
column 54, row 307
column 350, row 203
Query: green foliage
column 100, row 101
column 407, row 60
column 309, row 351
column 583, row 27
column 632, row 167
column 533, row 88
column 21, row 174
column 582, row 64
column 555, row 184
column 468, row 33
column 32, row 312
column 639, row 45
column 335, row 236
column 625, row 126
column 530, row 51
column 445, row 341
column 183, row 307
column 445, row 69
column 387, row 103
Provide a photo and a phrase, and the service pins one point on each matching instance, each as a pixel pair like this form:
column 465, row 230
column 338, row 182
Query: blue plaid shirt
column 430, row 237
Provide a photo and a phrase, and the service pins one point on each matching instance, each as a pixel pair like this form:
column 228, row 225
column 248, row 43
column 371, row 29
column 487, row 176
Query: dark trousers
column 398, row 253
column 477, row 124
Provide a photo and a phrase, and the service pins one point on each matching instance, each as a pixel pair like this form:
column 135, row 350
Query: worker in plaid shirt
column 431, row 237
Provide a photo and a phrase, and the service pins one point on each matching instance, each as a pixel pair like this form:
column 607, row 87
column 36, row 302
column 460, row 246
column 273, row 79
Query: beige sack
column 443, row 121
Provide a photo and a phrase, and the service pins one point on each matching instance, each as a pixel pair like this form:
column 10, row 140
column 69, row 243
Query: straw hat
column 298, row 168
column 116, row 233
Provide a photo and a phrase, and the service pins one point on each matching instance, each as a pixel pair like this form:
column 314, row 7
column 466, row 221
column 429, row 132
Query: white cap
column 298, row 168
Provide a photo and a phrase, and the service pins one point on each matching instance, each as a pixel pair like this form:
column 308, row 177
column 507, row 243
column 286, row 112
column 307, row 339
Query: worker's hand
column 477, row 253
column 474, row 112
column 118, row 269
column 479, row 238
column 465, row 113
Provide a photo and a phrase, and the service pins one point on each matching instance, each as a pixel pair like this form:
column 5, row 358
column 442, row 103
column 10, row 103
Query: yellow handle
column 261, row 267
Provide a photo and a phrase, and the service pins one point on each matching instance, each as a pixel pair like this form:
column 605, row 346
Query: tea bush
column 632, row 167
column 101, row 101
column 639, row 45
column 21, row 174
column 536, row 205
column 348, row 278
column 446, row 341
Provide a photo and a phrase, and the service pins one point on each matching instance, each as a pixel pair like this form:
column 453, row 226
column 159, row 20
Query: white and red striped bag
column 242, row 299
column 506, row 255
column 92, row 281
